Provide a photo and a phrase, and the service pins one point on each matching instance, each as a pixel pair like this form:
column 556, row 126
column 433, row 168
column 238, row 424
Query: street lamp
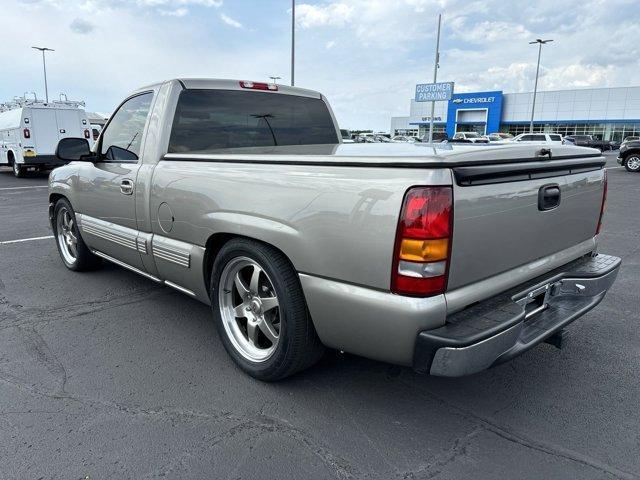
column 274, row 79
column 44, row 66
column 293, row 41
column 540, row 42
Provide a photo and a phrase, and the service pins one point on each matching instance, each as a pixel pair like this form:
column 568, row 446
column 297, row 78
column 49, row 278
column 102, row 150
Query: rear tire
column 260, row 311
column 18, row 170
column 73, row 251
column 632, row 163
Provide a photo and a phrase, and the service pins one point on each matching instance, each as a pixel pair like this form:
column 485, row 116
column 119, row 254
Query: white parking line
column 611, row 168
column 24, row 188
column 20, row 240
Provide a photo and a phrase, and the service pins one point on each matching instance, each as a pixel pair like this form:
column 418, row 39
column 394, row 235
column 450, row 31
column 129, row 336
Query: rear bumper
column 44, row 160
column 503, row 327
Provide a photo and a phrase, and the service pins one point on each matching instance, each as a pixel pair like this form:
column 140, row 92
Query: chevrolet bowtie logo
column 457, row 100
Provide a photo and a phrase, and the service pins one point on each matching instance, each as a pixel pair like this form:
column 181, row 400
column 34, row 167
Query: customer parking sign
column 434, row 92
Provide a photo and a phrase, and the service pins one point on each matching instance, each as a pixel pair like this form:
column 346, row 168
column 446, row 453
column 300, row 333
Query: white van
column 30, row 131
column 540, row 138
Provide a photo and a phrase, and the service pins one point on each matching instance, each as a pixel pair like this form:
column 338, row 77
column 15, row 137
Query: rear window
column 208, row 120
column 555, row 138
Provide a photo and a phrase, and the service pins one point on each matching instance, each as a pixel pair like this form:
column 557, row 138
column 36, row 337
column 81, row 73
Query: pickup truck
column 447, row 258
column 589, row 141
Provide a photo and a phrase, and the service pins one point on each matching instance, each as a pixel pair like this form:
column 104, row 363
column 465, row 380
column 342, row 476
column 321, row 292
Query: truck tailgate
column 500, row 224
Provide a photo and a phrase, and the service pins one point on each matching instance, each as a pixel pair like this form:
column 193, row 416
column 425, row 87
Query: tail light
column 87, row 134
column 423, row 242
column 603, row 206
column 259, row 86
column 26, row 133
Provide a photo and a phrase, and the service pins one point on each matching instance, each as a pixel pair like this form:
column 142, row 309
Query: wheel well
column 10, row 157
column 213, row 246
column 54, row 197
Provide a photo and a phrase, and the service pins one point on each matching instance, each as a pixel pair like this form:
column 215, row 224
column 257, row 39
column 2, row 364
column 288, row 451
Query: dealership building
column 605, row 113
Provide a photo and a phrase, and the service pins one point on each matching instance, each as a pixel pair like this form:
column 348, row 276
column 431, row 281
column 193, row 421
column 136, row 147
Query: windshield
column 208, row 120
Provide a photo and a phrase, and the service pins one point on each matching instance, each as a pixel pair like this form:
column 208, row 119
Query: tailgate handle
column 549, row 197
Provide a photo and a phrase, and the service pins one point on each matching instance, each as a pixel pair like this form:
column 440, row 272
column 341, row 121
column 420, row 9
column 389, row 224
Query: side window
column 526, row 138
column 122, row 137
column 555, row 138
column 539, row 138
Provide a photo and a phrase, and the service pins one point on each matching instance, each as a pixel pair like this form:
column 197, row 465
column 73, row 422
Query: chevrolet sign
column 474, row 100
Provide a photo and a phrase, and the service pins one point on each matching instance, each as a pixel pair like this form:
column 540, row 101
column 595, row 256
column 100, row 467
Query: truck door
column 70, row 124
column 44, row 130
column 107, row 189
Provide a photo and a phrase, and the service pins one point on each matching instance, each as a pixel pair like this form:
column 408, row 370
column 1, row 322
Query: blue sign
column 478, row 108
column 434, row 92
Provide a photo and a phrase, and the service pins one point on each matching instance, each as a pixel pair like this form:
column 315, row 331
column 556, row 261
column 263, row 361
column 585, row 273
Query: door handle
column 126, row 187
column 549, row 197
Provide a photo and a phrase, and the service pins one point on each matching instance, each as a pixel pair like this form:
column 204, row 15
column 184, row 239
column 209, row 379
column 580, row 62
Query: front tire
column 73, row 251
column 632, row 163
column 260, row 311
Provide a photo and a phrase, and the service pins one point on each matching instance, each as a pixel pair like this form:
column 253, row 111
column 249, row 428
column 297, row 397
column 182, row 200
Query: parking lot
column 107, row 375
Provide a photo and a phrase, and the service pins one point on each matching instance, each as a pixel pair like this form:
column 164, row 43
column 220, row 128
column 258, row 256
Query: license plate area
column 535, row 301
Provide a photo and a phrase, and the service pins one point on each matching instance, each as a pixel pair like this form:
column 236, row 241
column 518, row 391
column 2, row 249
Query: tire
column 18, row 170
column 263, row 322
column 632, row 163
column 73, row 251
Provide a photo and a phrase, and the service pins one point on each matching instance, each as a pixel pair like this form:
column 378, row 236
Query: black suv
column 629, row 156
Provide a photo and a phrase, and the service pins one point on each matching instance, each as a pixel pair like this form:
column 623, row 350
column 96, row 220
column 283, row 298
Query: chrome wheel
column 249, row 309
column 67, row 239
column 633, row 163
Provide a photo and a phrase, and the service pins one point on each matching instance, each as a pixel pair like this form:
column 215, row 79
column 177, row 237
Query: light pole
column 435, row 78
column 293, row 42
column 44, row 66
column 274, row 79
column 540, row 42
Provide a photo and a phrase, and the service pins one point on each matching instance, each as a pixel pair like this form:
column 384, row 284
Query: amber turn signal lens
column 424, row 250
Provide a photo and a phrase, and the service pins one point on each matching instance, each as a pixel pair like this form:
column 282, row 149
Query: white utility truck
column 31, row 129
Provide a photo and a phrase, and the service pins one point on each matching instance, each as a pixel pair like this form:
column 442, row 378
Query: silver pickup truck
column 449, row 259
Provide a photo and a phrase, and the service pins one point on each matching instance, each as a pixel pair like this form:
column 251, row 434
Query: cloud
column 332, row 14
column 80, row 26
column 488, row 31
column 173, row 3
column 230, row 21
column 178, row 12
column 330, row 44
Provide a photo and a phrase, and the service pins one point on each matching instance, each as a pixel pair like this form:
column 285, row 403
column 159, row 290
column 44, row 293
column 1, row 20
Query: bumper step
column 500, row 328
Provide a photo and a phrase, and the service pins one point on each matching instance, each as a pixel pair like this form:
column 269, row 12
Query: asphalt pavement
column 108, row 375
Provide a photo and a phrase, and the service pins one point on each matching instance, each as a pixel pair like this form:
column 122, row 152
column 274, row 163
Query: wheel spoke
column 242, row 290
column 72, row 250
column 268, row 330
column 252, row 333
column 72, row 237
column 268, row 303
column 255, row 278
column 240, row 311
column 70, row 223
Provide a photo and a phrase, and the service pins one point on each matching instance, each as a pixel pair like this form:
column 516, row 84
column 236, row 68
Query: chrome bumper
column 505, row 326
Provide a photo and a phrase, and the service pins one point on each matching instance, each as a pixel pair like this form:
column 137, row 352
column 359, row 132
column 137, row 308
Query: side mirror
column 73, row 149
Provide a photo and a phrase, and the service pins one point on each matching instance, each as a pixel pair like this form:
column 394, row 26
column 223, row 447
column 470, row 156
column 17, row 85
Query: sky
column 365, row 56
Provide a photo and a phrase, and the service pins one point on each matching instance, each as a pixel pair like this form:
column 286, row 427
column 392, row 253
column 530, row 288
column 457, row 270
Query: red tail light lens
column 259, row 86
column 26, row 133
column 87, row 134
column 603, row 206
column 423, row 242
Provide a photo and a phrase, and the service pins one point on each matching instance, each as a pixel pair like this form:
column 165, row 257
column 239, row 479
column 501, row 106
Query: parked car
column 240, row 195
column 568, row 141
column 539, row 138
column 629, row 139
column 437, row 137
column 629, row 156
column 404, row 139
column 469, row 137
column 499, row 137
column 30, row 130
column 346, row 136
column 589, row 141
